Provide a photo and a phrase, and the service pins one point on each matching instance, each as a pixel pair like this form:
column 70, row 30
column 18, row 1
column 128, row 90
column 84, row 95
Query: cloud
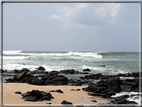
column 88, row 15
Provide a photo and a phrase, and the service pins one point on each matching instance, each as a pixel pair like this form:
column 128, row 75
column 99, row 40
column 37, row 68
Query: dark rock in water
column 92, row 76
column 39, row 72
column 18, row 92
column 135, row 74
column 25, row 70
column 123, row 101
column 20, row 76
column 87, row 69
column 31, row 98
column 69, row 71
column 126, row 88
column 102, row 66
column 17, row 71
column 41, row 68
column 66, row 102
column 54, row 72
column 105, row 88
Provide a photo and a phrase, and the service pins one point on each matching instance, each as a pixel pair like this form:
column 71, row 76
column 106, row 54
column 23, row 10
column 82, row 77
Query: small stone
column 72, row 89
column 65, row 102
column 77, row 89
column 59, row 91
column 18, row 92
column 93, row 100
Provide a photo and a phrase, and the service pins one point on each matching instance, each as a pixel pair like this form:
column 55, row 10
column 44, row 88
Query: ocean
column 115, row 62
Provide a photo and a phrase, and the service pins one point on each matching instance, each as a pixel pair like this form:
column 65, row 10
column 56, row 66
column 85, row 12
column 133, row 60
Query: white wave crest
column 60, row 54
column 19, row 66
column 11, row 52
column 93, row 68
column 15, row 57
column 84, row 54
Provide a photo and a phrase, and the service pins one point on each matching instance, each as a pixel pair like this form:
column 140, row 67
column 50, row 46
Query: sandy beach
column 76, row 97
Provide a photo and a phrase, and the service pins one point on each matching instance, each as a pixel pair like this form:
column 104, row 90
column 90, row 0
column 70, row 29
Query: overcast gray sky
column 71, row 26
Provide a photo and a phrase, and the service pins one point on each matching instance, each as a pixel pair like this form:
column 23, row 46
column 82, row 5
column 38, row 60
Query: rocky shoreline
column 98, row 84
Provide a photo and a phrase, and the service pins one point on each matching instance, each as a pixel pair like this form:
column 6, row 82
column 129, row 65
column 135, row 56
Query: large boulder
column 92, row 76
column 20, row 76
column 54, row 72
column 35, row 81
column 36, row 95
column 55, row 80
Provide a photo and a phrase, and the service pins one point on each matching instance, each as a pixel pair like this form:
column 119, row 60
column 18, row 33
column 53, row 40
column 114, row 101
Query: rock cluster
column 59, row 91
column 54, row 79
column 36, row 95
column 45, row 80
column 110, row 86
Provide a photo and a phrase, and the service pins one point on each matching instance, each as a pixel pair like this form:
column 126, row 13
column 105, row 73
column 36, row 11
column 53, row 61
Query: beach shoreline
column 76, row 97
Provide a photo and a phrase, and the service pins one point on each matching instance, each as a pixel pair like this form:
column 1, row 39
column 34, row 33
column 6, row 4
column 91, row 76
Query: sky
column 71, row 27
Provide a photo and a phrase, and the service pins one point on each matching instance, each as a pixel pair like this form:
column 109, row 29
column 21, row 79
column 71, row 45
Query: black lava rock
column 18, row 92
column 41, row 68
column 36, row 95
column 31, row 98
column 87, row 69
column 66, row 102
column 59, row 91
column 25, row 70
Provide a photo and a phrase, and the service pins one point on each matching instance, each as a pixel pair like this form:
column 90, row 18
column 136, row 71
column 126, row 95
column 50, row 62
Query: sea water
column 115, row 62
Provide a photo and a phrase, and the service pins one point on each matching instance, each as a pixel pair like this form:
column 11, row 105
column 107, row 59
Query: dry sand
column 76, row 97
